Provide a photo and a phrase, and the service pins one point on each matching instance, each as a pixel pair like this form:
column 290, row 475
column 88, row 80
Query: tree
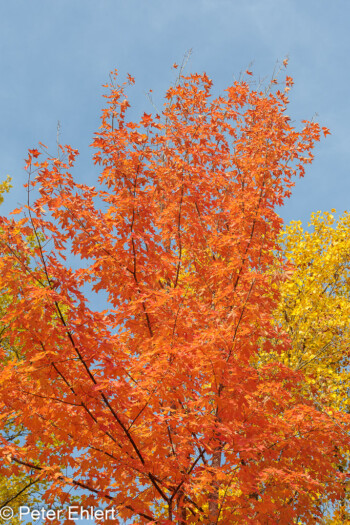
column 15, row 489
column 314, row 309
column 161, row 406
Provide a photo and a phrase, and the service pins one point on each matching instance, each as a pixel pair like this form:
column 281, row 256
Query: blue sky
column 56, row 54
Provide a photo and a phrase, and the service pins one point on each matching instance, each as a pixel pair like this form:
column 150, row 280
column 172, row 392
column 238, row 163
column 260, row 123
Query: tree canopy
column 193, row 397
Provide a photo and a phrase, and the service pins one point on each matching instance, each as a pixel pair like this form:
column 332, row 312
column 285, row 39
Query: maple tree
column 15, row 489
column 164, row 405
column 19, row 489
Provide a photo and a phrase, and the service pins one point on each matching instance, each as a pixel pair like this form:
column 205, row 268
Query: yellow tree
column 315, row 312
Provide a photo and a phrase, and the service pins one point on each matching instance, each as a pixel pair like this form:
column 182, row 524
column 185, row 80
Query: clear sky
column 56, row 54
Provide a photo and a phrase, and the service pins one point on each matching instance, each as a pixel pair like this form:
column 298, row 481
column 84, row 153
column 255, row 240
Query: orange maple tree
column 159, row 406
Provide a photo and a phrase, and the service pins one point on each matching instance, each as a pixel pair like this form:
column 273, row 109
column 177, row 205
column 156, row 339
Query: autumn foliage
column 176, row 404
